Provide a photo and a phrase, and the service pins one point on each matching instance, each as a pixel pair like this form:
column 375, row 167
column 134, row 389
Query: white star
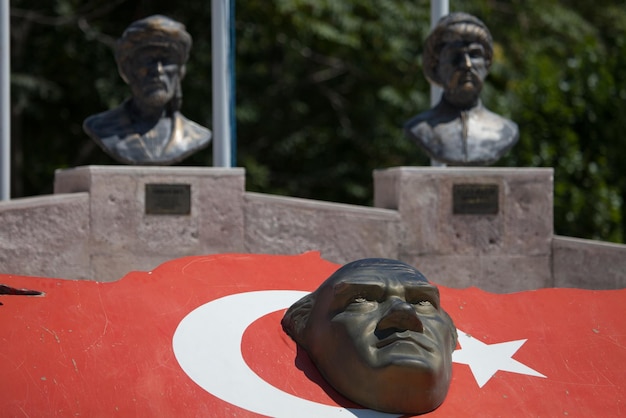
column 485, row 360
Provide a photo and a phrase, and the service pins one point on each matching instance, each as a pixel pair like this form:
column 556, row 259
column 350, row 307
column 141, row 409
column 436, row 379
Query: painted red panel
column 106, row 349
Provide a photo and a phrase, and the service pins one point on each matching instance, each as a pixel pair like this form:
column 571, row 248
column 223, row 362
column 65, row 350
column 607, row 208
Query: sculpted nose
column 159, row 67
column 467, row 61
column 400, row 316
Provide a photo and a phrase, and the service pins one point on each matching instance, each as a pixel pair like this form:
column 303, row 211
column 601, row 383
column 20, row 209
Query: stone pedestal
column 127, row 233
column 484, row 227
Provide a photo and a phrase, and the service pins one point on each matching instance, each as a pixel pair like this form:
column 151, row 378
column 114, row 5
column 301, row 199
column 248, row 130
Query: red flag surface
column 201, row 336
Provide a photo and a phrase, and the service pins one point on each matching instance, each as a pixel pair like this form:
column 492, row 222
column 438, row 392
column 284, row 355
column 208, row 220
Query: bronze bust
column 459, row 130
column 148, row 128
column 376, row 331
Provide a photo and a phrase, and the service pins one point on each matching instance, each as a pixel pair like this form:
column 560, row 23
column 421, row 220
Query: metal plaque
column 475, row 199
column 168, row 199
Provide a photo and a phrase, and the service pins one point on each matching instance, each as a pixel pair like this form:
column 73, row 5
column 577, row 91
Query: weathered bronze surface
column 459, row 130
column 149, row 128
column 168, row 199
column 475, row 199
column 376, row 331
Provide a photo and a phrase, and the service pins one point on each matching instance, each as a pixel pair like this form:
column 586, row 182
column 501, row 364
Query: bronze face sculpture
column 459, row 130
column 149, row 128
column 377, row 333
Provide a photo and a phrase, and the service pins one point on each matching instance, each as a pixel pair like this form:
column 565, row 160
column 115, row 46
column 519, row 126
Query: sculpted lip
column 466, row 76
column 413, row 337
column 155, row 82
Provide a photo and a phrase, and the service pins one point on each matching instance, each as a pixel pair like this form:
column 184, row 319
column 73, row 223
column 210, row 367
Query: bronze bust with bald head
column 459, row 130
column 148, row 128
column 378, row 334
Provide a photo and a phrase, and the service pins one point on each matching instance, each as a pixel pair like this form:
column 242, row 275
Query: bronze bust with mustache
column 459, row 130
column 376, row 331
column 148, row 128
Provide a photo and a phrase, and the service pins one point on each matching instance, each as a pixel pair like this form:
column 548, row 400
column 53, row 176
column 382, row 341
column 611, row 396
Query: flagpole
column 5, row 102
column 223, row 85
column 438, row 9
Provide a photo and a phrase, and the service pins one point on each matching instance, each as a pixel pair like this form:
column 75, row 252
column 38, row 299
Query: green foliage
column 330, row 111
column 565, row 66
column 324, row 87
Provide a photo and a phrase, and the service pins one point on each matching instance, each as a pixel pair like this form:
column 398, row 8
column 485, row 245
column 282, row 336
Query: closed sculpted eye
column 476, row 53
column 350, row 295
column 362, row 301
column 423, row 305
column 363, row 298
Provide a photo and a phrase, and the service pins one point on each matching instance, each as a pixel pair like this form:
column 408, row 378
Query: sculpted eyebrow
column 345, row 288
column 424, row 290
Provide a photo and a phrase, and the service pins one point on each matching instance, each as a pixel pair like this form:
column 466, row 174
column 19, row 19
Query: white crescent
column 207, row 345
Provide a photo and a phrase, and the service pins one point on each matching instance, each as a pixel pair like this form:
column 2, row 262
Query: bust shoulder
column 193, row 130
column 114, row 122
column 475, row 136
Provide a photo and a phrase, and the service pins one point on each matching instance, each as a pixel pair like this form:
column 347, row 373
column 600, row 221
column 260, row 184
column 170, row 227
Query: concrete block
column 46, row 236
column 424, row 198
column 113, row 266
column 498, row 274
column 342, row 233
column 587, row 264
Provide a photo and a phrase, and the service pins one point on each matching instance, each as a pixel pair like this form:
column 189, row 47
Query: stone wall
column 46, row 236
column 342, row 233
column 97, row 226
column 587, row 264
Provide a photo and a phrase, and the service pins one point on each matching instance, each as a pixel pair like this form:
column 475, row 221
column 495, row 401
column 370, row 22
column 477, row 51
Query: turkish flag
column 201, row 336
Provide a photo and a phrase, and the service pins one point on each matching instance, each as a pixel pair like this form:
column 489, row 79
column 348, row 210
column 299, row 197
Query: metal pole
column 232, row 85
column 220, row 42
column 438, row 9
column 5, row 102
